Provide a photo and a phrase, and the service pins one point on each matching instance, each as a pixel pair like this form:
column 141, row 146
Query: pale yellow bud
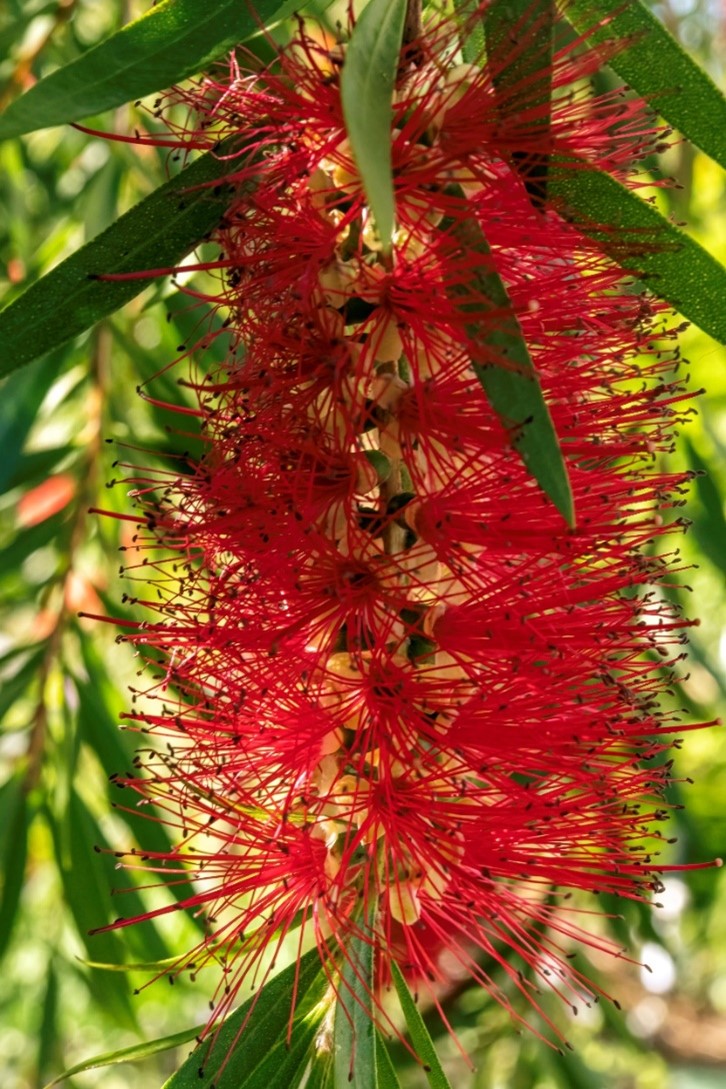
column 404, row 904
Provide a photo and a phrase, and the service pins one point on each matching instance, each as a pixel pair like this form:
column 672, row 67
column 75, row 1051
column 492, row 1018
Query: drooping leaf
column 354, row 1037
column 252, row 1044
column 514, row 390
column 15, row 817
column 634, row 233
column 366, row 90
column 422, row 1043
column 132, row 1054
column 172, row 40
column 157, row 233
column 657, row 67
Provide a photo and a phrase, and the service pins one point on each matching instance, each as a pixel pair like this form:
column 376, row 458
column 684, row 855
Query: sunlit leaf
column 420, row 1038
column 657, row 67
column 251, row 1049
column 387, row 1077
column 132, row 1054
column 366, row 91
column 638, row 237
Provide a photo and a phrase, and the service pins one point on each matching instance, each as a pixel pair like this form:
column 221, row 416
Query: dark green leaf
column 157, row 233
column 523, row 30
column 173, row 40
column 513, row 391
column 366, row 91
column 354, row 1033
column 15, row 818
column 253, row 1042
column 420, row 1038
column 639, row 238
column 22, row 396
column 656, row 66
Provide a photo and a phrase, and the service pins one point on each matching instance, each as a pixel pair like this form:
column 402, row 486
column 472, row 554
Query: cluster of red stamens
column 396, row 685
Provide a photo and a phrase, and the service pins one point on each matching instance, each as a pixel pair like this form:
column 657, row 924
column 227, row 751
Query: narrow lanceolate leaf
column 354, row 1038
column 366, row 90
column 387, row 1076
column 255, row 1048
column 172, row 40
column 422, row 1043
column 641, row 240
column 155, row 234
column 513, row 390
column 16, row 815
column 518, row 35
column 656, row 66
column 132, row 1054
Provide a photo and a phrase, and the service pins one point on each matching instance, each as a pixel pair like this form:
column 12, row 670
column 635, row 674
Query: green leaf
column 173, row 40
column 157, row 233
column 14, row 685
column 15, row 818
column 709, row 527
column 387, row 1076
column 514, row 393
column 86, row 887
column 354, row 1033
column 47, row 1033
column 132, row 1054
column 420, row 1038
column 22, row 396
column 252, row 1044
column 656, row 66
column 366, row 90
column 522, row 30
column 641, row 240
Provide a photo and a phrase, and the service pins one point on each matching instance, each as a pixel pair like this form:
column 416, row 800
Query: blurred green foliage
column 64, row 421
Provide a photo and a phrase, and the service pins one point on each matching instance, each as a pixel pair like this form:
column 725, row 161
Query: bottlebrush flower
column 393, row 683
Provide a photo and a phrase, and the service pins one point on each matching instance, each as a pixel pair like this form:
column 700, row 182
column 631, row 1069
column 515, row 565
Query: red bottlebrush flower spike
column 392, row 676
